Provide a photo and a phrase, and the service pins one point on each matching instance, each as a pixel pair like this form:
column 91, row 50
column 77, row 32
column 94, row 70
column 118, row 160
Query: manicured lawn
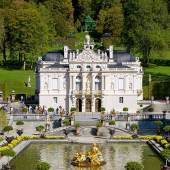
column 160, row 81
column 15, row 81
column 164, row 55
column 164, row 70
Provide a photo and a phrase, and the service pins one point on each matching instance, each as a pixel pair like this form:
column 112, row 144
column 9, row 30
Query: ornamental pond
column 59, row 156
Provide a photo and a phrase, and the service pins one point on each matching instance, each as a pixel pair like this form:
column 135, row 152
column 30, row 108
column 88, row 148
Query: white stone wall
column 116, row 82
column 112, row 102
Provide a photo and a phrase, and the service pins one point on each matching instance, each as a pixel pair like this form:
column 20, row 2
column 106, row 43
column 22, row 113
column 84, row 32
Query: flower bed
column 148, row 137
column 19, row 139
column 122, row 137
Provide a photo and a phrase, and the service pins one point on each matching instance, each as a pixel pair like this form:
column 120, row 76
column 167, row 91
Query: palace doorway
column 98, row 105
column 79, row 105
column 88, row 105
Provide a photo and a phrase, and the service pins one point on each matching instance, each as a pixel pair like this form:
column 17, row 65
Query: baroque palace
column 89, row 79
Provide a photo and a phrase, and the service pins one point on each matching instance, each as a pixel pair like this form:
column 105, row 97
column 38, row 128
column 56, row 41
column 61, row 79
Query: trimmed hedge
column 160, row 62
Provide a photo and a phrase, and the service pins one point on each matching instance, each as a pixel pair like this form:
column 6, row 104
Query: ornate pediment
column 87, row 55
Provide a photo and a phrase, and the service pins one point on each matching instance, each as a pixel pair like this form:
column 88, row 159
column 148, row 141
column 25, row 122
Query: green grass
column 15, row 81
column 164, row 54
column 160, row 81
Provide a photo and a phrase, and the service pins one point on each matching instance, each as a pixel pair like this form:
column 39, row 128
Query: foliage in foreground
column 43, row 166
column 8, row 152
column 165, row 153
column 134, row 166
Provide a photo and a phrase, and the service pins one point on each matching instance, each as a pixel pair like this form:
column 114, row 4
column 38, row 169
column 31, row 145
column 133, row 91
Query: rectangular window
column 121, row 84
column 55, row 99
column 120, row 99
column 55, row 83
column 130, row 86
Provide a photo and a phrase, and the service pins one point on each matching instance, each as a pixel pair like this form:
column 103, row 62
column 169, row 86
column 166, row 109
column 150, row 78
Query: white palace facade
column 89, row 79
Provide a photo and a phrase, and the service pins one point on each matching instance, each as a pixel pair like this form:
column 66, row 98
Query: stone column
column 103, row 82
column 74, row 83
column 93, row 103
column 84, row 82
column 74, row 101
column 71, row 82
column 93, row 82
column 83, row 104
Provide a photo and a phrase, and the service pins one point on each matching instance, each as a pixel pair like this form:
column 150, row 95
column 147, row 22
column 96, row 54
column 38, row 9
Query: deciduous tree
column 146, row 26
column 26, row 31
column 111, row 21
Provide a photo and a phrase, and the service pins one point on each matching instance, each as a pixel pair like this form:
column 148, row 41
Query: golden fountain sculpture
column 92, row 158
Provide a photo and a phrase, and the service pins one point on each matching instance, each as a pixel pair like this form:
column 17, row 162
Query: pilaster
column 83, row 104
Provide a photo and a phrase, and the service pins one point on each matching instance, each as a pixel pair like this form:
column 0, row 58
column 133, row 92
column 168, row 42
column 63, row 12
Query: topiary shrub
column 24, row 109
column 40, row 128
column 66, row 122
column 50, row 109
column 134, row 166
column 150, row 109
column 42, row 166
column 19, row 122
column 99, row 124
column 112, row 122
column 77, row 125
column 125, row 109
column 103, row 109
column 134, row 127
column 7, row 128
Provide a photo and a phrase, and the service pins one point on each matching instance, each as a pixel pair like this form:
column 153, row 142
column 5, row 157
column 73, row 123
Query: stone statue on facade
column 88, row 84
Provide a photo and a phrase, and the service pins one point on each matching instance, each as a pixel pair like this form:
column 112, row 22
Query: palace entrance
column 79, row 105
column 88, row 105
column 98, row 105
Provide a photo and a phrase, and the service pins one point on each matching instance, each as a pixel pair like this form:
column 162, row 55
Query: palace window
column 120, row 99
column 55, row 84
column 98, row 83
column 78, row 83
column 55, row 99
column 121, row 83
column 78, row 66
column 88, row 66
column 130, row 86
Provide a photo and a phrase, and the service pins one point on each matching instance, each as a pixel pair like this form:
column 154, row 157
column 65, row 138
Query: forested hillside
column 31, row 27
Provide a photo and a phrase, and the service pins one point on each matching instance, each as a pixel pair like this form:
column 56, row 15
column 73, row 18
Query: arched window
column 98, row 83
column 88, row 66
column 98, row 66
column 78, row 66
column 78, row 83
